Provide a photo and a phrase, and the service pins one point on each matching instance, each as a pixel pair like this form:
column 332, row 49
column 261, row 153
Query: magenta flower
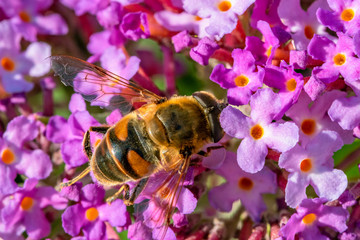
column 182, row 40
column 203, row 51
column 111, row 16
column 71, row 132
column 346, row 112
column 312, row 215
column 313, row 165
column 344, row 17
column 139, row 231
column 91, row 212
column 17, row 158
column 153, row 213
column 338, row 59
column 244, row 186
column 15, row 65
column 266, row 10
column 288, row 83
column 22, row 211
column 114, row 60
column 223, row 14
column 27, row 20
column 258, row 131
column 313, row 120
column 135, row 26
column 302, row 24
column 264, row 51
column 242, row 80
column 178, row 22
column 83, row 6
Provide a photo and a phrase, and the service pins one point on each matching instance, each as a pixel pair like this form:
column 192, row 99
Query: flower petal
column 251, row 155
column 329, row 184
column 295, row 190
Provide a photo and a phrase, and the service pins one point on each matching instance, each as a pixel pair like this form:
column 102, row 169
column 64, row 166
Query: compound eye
column 214, row 108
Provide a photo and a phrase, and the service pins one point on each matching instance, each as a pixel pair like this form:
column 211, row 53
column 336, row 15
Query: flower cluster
column 288, row 73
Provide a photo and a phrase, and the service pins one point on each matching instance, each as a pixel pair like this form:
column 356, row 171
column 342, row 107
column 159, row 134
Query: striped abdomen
column 125, row 153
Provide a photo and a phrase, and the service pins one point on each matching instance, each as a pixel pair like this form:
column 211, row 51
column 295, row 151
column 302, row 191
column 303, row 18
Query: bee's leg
column 124, row 188
column 130, row 199
column 74, row 180
column 86, row 141
column 99, row 129
column 208, row 150
column 88, row 152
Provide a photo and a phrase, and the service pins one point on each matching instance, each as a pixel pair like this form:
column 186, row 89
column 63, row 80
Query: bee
column 161, row 135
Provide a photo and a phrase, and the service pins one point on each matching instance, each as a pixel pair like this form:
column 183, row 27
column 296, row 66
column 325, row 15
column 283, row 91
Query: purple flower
column 91, row 213
column 242, row 80
column 83, row 6
column 203, row 51
column 314, row 87
column 183, row 21
column 153, row 214
column 244, row 186
column 264, row 51
column 344, row 17
column 346, row 112
column 216, row 158
column 182, row 40
column 338, row 59
column 14, row 65
column 312, row 214
column 313, row 165
column 223, row 14
column 301, row 24
column 114, row 59
column 266, row 10
column 111, row 16
column 23, row 210
column 71, row 132
column 135, row 26
column 313, row 120
column 17, row 158
column 288, row 83
column 26, row 19
column 259, row 132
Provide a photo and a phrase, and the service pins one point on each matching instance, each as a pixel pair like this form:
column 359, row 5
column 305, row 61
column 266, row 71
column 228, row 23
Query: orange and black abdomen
column 125, row 153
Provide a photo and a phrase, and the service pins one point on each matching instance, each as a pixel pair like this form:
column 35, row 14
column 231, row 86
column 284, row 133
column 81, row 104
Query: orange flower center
column 26, row 203
column 7, row 64
column 257, row 132
column 241, row 81
column 197, row 18
column 339, row 59
column 7, row 156
column 308, row 126
column 245, row 183
column 268, row 51
column 224, row 6
column 347, row 15
column 291, row 85
column 309, row 218
column 24, row 16
column 309, row 32
column 91, row 214
column 306, row 165
column 142, row 27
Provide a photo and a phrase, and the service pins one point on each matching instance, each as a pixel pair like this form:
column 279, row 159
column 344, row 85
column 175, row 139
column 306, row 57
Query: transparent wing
column 166, row 197
column 99, row 86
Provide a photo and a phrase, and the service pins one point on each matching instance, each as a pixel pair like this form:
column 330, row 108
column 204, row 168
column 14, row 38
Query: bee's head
column 212, row 108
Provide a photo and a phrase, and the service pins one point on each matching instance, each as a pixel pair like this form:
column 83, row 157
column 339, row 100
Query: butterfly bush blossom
column 287, row 72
